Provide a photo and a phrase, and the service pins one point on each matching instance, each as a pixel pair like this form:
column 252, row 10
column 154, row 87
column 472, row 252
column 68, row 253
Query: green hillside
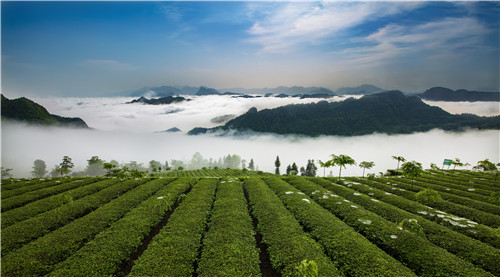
column 388, row 112
column 25, row 110
column 216, row 224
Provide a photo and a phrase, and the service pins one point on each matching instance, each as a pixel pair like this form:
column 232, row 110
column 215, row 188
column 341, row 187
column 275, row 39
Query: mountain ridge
column 24, row 110
column 159, row 101
column 388, row 112
column 446, row 94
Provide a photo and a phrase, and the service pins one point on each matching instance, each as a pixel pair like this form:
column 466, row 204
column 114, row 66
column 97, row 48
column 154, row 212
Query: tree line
column 98, row 167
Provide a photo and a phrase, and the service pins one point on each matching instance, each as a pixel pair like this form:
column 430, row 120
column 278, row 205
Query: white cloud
column 112, row 114
column 21, row 145
column 444, row 40
column 295, row 23
column 127, row 132
column 478, row 108
column 109, row 65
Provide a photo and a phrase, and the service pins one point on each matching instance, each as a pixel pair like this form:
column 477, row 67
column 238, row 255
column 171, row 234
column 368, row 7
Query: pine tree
column 277, row 163
column 302, row 171
column 295, row 169
column 251, row 165
column 311, row 168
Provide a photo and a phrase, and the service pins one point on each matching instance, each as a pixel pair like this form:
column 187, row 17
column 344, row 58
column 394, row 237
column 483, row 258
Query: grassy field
column 244, row 223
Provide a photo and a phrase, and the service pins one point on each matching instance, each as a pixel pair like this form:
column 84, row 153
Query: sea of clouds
column 131, row 132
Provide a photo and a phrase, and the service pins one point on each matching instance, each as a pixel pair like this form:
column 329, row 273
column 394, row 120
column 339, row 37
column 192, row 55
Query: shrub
column 411, row 225
column 428, row 197
column 393, row 172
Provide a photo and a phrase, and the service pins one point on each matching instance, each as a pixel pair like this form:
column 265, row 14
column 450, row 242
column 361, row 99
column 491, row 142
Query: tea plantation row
column 256, row 225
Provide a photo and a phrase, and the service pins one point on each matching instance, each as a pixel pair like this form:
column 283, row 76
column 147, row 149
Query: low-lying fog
column 200, row 111
column 129, row 132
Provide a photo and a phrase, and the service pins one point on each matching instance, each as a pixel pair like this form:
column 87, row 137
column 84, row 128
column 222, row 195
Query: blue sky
column 101, row 48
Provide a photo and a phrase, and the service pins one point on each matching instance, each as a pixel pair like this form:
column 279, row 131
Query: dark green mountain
column 25, row 110
column 159, row 101
column 388, row 112
column 446, row 94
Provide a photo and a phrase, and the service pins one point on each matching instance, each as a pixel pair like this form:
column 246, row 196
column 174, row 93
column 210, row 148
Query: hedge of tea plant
column 109, row 250
column 229, row 246
column 287, row 243
column 40, row 256
column 354, row 254
column 464, row 226
column 174, row 251
column 476, row 252
column 423, row 257
column 26, row 211
column 23, row 232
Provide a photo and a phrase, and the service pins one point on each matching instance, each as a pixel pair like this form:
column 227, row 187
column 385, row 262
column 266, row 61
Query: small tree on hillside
column 154, row 166
column 39, row 169
column 311, row 168
column 65, row 166
column 251, row 165
column 324, row 165
column 412, row 170
column 342, row 161
column 110, row 168
column 485, row 165
column 294, row 169
column 456, row 163
column 95, row 166
column 366, row 165
column 277, row 163
column 399, row 159
column 6, row 173
column 434, row 166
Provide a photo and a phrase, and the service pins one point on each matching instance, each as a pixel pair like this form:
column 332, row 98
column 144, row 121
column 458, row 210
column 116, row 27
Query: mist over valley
column 133, row 132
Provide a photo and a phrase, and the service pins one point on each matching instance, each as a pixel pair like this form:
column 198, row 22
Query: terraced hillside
column 214, row 223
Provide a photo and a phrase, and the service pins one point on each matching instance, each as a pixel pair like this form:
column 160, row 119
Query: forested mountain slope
column 388, row 112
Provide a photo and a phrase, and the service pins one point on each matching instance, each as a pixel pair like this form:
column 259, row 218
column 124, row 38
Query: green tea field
column 234, row 223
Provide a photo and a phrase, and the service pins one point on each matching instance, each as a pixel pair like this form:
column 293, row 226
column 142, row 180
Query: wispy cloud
column 446, row 39
column 296, row 23
column 171, row 12
column 108, row 65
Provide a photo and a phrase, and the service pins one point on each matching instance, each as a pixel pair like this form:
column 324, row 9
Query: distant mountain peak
column 363, row 89
column 173, row 130
column 207, row 91
column 159, row 101
column 446, row 94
